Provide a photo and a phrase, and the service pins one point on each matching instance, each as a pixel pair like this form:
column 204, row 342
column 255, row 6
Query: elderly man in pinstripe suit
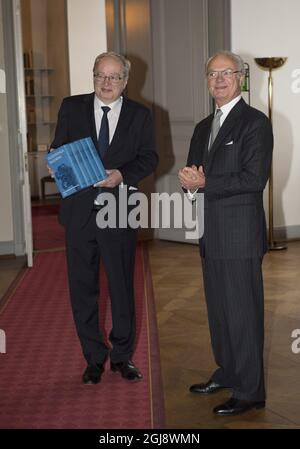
column 229, row 160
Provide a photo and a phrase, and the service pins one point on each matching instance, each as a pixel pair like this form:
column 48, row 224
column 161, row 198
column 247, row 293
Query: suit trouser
column 116, row 248
column 235, row 305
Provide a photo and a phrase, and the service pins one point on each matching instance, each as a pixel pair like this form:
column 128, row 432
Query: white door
column 22, row 133
column 180, row 49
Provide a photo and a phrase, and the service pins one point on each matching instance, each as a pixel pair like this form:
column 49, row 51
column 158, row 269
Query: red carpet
column 40, row 374
column 47, row 232
column 48, row 209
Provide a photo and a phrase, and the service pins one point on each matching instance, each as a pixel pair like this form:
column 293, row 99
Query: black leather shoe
column 127, row 370
column 208, row 388
column 236, row 406
column 92, row 374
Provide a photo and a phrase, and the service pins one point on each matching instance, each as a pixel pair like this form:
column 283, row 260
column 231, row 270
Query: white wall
column 6, row 225
column 87, row 39
column 271, row 28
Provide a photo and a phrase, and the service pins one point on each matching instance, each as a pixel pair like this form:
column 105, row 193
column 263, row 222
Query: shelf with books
column 40, row 123
column 39, row 97
column 37, row 81
column 46, row 75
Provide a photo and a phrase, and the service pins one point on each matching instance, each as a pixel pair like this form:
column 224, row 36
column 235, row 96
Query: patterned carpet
column 40, row 373
column 47, row 233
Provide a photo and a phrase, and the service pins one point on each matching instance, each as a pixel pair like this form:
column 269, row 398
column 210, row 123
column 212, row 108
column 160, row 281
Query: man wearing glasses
column 229, row 161
column 122, row 130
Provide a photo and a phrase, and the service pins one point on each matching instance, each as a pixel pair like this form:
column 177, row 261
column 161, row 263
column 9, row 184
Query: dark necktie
column 215, row 127
column 103, row 138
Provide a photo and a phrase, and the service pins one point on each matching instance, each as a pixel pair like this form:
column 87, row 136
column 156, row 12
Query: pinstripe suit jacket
column 237, row 168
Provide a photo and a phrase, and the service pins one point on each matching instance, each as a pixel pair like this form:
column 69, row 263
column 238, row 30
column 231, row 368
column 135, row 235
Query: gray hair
column 235, row 58
column 120, row 58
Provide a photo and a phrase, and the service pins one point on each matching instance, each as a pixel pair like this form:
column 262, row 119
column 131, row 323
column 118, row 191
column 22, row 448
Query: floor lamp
column 271, row 64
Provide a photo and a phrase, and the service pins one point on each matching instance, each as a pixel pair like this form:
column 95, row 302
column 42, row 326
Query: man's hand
column 192, row 179
column 113, row 179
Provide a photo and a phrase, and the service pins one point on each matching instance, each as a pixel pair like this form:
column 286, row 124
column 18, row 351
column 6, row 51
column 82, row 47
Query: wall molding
column 7, row 248
column 287, row 233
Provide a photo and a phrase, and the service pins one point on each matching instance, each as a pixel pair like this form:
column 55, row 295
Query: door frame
column 20, row 188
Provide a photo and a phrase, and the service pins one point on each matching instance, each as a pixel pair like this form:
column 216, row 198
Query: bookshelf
column 46, row 76
column 39, row 98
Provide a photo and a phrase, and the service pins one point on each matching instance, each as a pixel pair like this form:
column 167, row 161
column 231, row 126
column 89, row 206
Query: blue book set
column 76, row 166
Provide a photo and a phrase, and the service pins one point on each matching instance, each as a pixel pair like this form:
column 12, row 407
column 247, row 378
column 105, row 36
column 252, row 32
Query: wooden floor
column 186, row 355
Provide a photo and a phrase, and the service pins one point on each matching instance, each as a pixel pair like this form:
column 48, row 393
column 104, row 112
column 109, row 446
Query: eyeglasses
column 114, row 79
column 228, row 73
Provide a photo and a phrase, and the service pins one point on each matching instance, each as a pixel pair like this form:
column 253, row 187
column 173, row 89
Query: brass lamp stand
column 271, row 64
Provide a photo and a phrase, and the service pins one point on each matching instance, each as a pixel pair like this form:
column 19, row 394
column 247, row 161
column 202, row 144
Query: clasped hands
column 192, row 178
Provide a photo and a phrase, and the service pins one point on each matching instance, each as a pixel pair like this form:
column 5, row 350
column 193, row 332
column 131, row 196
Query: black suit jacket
column 132, row 149
column 237, row 168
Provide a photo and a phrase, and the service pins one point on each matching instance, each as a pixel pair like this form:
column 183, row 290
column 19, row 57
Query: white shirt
column 113, row 118
column 227, row 108
column 225, row 111
column 112, row 115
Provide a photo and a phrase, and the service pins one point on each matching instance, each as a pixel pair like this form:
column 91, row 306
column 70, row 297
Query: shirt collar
column 226, row 108
column 115, row 104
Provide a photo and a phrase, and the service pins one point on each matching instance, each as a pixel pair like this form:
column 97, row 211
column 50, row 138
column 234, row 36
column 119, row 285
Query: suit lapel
column 206, row 137
column 89, row 105
column 225, row 129
column 122, row 125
